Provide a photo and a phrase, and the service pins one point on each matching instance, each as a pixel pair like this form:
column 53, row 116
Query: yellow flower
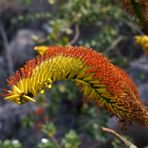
column 41, row 49
column 143, row 41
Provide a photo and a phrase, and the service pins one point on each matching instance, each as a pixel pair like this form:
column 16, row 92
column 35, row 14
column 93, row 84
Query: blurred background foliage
column 60, row 119
column 101, row 25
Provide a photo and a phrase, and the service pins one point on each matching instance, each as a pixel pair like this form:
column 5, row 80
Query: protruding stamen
column 29, row 98
column 12, row 97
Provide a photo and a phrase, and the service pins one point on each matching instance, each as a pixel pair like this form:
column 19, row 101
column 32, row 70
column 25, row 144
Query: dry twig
column 77, row 34
column 7, row 48
column 115, row 43
column 125, row 141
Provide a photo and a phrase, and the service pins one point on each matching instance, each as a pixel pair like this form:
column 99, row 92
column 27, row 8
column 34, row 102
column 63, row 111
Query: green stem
column 55, row 141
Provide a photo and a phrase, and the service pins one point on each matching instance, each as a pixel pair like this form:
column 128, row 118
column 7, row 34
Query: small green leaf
column 71, row 140
column 49, row 129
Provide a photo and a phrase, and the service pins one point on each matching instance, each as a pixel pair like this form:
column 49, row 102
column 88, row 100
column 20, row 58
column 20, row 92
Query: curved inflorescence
column 101, row 82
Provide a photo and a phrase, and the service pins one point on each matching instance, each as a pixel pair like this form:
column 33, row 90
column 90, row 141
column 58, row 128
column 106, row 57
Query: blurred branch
column 77, row 34
column 55, row 142
column 114, row 43
column 7, row 48
column 132, row 25
column 125, row 141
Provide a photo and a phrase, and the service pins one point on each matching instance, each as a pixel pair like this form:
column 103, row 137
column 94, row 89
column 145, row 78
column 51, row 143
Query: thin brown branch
column 132, row 26
column 114, row 43
column 7, row 48
column 77, row 34
column 125, row 141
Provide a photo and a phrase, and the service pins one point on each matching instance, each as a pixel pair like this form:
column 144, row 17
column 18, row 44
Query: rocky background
column 21, row 29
